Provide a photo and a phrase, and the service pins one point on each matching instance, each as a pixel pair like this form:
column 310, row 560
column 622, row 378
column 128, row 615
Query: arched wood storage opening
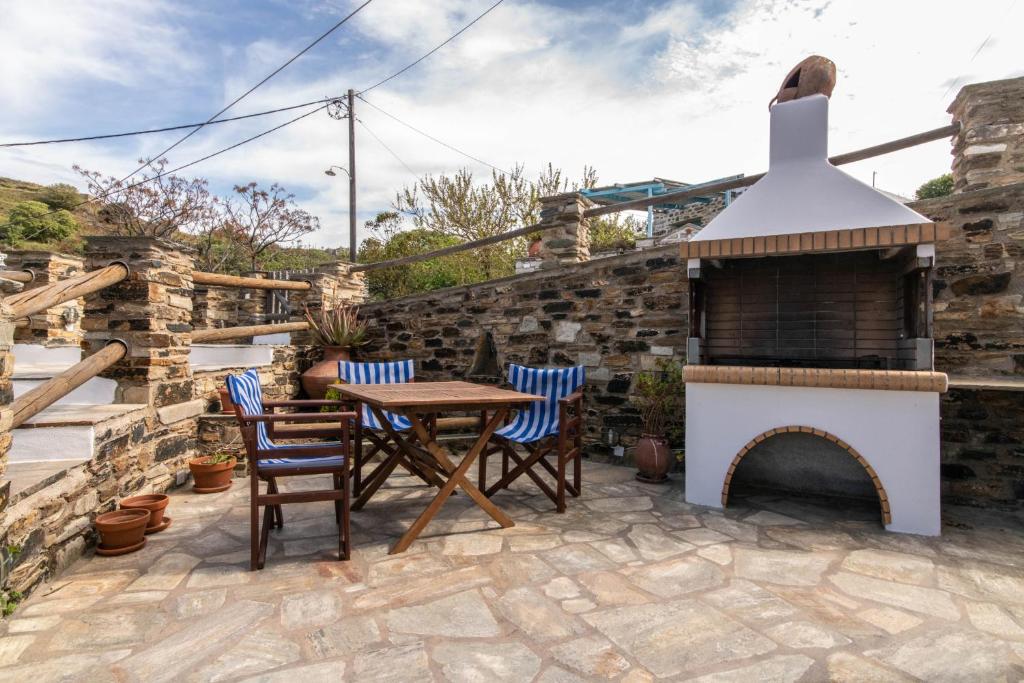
column 883, row 498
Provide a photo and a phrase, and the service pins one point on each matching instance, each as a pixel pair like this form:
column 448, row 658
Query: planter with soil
column 212, row 473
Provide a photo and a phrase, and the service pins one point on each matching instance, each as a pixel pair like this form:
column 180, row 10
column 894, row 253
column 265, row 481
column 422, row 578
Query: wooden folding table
column 420, row 400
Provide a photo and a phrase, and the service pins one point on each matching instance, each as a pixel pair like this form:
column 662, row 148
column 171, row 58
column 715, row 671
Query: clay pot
column 533, row 251
column 815, row 75
column 653, row 459
column 211, row 478
column 325, row 373
column 122, row 529
column 154, row 503
column 227, row 406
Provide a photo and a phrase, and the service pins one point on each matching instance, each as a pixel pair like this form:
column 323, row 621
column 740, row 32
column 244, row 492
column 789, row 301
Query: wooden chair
column 370, row 428
column 270, row 461
column 550, row 427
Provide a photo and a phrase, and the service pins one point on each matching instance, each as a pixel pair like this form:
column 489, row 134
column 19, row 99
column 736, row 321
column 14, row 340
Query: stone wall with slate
column 616, row 316
column 60, row 325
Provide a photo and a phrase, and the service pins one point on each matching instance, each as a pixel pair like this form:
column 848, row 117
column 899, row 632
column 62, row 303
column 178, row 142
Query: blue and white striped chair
column 381, row 372
column 269, row 460
column 553, row 426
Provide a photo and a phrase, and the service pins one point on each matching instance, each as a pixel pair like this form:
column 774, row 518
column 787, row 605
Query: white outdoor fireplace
column 810, row 311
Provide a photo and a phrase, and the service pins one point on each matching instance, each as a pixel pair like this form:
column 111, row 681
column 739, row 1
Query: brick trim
column 822, row 378
column 848, row 239
column 883, row 498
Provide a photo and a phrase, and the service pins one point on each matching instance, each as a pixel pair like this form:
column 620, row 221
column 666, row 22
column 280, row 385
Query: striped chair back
column 540, row 418
column 245, row 391
column 384, row 372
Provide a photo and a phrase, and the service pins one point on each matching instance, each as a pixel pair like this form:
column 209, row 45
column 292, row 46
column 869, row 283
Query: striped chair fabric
column 246, row 392
column 394, row 372
column 540, row 419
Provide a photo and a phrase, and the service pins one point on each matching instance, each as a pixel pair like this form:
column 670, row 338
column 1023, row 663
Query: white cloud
column 672, row 94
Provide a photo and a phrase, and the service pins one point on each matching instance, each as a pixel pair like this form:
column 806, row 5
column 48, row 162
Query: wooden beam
column 199, row 336
column 56, row 388
column 221, row 280
column 42, row 298
column 25, row 276
column 644, row 202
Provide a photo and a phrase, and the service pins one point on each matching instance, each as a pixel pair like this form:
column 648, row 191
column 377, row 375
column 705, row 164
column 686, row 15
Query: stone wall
column 615, row 316
column 697, row 213
column 60, row 325
column 979, row 281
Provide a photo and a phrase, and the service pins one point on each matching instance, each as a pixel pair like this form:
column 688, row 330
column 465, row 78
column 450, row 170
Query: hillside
column 13, row 191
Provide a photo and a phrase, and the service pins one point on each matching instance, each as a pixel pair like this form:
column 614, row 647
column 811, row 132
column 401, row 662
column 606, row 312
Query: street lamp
column 331, row 172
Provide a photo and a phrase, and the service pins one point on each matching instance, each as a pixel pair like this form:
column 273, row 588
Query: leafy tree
column 296, row 258
column 458, row 207
column 262, row 219
column 60, row 196
column 151, row 203
column 388, row 241
column 936, row 187
column 35, row 221
column 615, row 231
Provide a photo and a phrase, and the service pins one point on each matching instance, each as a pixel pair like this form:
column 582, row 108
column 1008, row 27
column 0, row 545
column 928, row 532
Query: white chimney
column 802, row 191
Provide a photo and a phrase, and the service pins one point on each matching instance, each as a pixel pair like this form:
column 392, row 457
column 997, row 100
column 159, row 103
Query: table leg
column 456, row 478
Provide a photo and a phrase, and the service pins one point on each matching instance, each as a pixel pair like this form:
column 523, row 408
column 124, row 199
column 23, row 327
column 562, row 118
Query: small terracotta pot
column 533, row 251
column 122, row 528
column 653, row 459
column 226, row 404
column 211, row 478
column 154, row 503
column 325, row 373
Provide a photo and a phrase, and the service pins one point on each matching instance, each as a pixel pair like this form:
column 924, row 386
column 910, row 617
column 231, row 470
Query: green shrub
column 60, row 196
column 936, row 187
column 36, row 222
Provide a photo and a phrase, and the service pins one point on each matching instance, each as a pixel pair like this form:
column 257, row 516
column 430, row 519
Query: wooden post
column 221, row 280
column 221, row 334
column 36, row 300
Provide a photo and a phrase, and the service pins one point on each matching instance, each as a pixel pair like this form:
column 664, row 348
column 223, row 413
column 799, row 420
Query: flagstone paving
column 631, row 584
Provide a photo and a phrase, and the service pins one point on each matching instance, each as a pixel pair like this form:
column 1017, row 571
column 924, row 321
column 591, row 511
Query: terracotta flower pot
column 154, row 503
column 653, row 459
column 533, row 251
column 211, row 478
column 122, row 531
column 316, row 380
column 226, row 404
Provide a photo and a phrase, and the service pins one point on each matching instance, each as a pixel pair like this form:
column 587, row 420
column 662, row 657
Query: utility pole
column 351, row 176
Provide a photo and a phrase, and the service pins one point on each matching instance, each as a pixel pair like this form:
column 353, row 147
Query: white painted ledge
column 224, row 356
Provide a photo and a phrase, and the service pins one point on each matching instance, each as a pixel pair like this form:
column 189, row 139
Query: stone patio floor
column 631, row 584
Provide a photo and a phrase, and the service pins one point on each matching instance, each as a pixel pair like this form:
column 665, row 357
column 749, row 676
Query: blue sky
column 637, row 89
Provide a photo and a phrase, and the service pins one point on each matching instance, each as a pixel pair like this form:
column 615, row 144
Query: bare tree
column 261, row 219
column 150, row 204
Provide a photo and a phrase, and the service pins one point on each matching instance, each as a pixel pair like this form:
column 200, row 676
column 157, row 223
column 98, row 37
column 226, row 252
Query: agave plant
column 338, row 326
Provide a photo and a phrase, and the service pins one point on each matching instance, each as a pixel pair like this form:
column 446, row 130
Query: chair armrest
column 303, row 403
column 574, row 397
column 300, row 417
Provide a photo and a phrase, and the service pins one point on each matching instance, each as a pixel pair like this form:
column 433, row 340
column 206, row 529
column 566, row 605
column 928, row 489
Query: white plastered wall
column 897, row 432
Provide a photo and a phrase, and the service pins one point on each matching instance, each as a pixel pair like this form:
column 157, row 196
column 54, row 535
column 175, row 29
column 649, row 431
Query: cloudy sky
column 675, row 89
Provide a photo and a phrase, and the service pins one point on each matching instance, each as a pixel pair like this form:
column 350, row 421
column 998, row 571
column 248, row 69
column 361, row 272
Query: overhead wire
column 149, row 131
column 450, row 39
column 385, row 146
column 431, row 137
column 253, row 88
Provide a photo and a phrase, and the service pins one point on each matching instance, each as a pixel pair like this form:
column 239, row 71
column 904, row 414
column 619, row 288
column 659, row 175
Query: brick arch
column 883, row 498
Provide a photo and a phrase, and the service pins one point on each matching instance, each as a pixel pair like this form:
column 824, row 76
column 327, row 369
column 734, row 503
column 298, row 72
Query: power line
column 183, row 166
column 384, row 145
column 431, row 137
column 250, row 90
column 450, row 39
column 163, row 130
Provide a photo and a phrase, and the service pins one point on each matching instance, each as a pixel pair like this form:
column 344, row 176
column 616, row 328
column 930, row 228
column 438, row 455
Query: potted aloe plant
column 660, row 397
column 338, row 330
